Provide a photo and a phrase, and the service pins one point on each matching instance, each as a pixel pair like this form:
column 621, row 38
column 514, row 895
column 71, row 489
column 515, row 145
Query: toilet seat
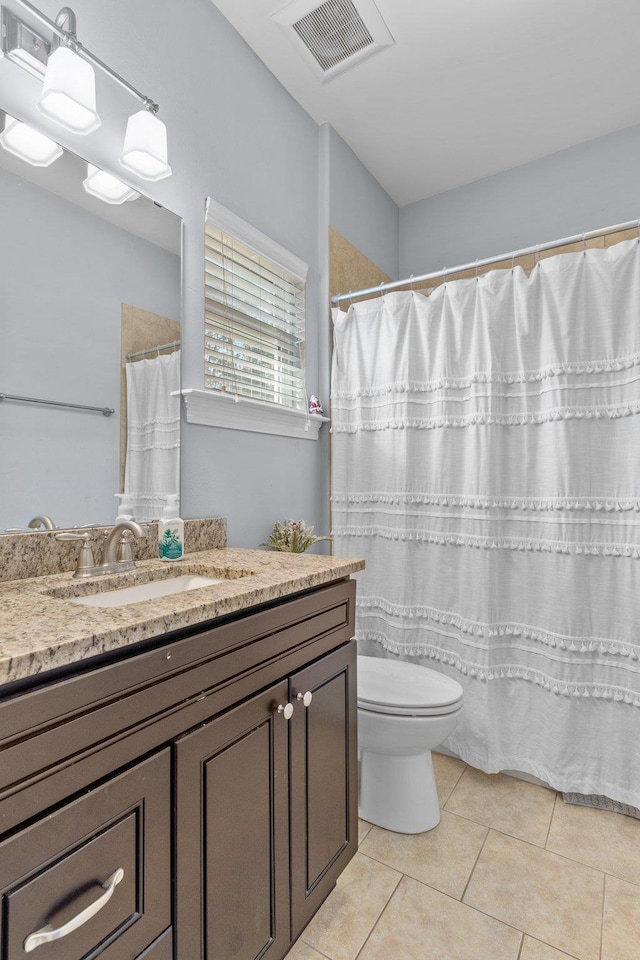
column 405, row 689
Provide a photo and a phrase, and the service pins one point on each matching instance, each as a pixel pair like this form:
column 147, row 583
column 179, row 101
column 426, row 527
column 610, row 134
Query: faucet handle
column 86, row 562
column 124, row 553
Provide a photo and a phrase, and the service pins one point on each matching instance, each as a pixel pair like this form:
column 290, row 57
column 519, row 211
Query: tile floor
column 510, row 873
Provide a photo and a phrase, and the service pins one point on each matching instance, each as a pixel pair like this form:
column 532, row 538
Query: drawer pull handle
column 47, row 934
column 306, row 698
column 286, row 711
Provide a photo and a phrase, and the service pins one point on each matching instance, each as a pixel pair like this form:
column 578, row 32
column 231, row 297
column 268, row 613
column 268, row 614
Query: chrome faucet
column 117, row 556
column 41, row 521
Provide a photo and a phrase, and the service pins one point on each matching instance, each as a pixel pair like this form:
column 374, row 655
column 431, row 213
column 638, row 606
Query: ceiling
column 469, row 88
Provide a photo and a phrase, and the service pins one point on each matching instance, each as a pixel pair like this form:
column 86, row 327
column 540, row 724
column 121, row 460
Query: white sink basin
column 146, row 591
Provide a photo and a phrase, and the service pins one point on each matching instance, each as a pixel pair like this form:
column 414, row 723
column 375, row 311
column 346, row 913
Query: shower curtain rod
column 538, row 248
column 157, row 349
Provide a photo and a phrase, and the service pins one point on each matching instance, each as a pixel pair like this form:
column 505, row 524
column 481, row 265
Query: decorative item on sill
column 315, row 406
column 292, row 536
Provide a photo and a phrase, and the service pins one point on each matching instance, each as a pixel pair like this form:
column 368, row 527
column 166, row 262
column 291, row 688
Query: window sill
column 213, row 409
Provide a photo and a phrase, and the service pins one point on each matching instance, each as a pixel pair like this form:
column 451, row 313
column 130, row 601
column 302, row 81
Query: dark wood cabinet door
column 324, row 789
column 232, row 834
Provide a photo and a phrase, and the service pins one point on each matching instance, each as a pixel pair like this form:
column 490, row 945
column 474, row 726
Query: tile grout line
column 604, row 897
column 366, row 857
column 581, row 863
column 484, row 913
column 506, row 923
column 302, row 940
column 475, row 865
column 524, row 933
column 460, row 776
column 449, row 897
column 587, row 866
column 519, row 957
column 553, row 813
column 380, row 915
column 468, row 906
column 425, row 883
column 570, row 956
column 503, row 833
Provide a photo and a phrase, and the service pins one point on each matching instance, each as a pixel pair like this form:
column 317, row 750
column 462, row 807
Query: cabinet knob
column 286, row 711
column 306, row 698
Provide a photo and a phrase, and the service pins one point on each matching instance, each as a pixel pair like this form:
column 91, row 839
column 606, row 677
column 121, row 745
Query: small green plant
column 292, row 536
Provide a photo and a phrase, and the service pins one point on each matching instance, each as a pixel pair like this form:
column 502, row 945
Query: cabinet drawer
column 65, row 865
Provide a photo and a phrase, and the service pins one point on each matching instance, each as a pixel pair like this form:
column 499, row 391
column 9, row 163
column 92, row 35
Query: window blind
column 254, row 323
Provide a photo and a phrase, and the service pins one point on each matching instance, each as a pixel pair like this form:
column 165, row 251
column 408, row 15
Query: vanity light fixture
column 24, row 45
column 69, row 92
column 68, row 96
column 145, row 146
column 106, row 187
column 23, row 141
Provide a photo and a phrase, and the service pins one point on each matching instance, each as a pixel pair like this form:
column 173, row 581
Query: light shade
column 104, row 185
column 28, row 144
column 69, row 92
column 145, row 147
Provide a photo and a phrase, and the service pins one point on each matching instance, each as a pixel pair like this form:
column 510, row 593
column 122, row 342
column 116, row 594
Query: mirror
column 85, row 287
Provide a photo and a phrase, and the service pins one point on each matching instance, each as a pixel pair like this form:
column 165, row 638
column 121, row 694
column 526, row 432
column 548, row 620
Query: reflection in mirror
column 90, row 321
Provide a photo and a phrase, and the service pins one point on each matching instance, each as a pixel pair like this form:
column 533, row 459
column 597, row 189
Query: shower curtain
column 486, row 463
column 152, row 467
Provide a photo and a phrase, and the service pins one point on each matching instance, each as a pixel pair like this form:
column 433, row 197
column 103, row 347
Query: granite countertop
column 41, row 628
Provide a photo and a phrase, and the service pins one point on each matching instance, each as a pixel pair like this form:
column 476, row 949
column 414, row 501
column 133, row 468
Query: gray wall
column 236, row 135
column 360, row 209
column 64, row 275
column 580, row 189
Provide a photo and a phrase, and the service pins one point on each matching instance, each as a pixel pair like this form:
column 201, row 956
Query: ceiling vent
column 335, row 35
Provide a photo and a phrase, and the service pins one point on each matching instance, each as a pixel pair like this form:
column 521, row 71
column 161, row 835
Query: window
column 254, row 314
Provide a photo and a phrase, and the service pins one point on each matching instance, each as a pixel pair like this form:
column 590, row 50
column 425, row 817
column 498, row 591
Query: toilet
column 404, row 710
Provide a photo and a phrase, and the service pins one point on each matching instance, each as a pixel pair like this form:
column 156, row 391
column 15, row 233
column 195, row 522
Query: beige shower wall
column 139, row 331
column 349, row 269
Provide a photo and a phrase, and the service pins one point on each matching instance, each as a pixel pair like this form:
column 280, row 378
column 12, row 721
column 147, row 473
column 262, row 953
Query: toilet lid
column 393, row 686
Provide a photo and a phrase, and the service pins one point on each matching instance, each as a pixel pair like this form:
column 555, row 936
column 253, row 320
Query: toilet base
column 398, row 792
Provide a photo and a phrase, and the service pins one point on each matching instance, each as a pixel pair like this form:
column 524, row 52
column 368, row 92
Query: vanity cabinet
column 172, row 763
column 107, row 851
column 258, row 790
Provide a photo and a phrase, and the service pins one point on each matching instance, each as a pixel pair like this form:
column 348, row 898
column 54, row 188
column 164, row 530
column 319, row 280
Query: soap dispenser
column 171, row 531
column 125, row 507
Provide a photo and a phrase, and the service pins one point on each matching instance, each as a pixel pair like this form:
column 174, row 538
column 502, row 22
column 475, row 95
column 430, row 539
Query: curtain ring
column 537, row 254
column 381, row 289
column 411, row 278
column 584, row 244
column 513, row 261
column 477, row 277
column 444, row 276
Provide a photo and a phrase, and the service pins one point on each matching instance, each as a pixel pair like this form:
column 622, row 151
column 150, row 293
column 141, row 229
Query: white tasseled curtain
column 153, row 434
column 486, row 463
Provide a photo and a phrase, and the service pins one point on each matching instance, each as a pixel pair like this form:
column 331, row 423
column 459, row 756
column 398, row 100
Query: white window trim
column 212, row 409
column 226, row 221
